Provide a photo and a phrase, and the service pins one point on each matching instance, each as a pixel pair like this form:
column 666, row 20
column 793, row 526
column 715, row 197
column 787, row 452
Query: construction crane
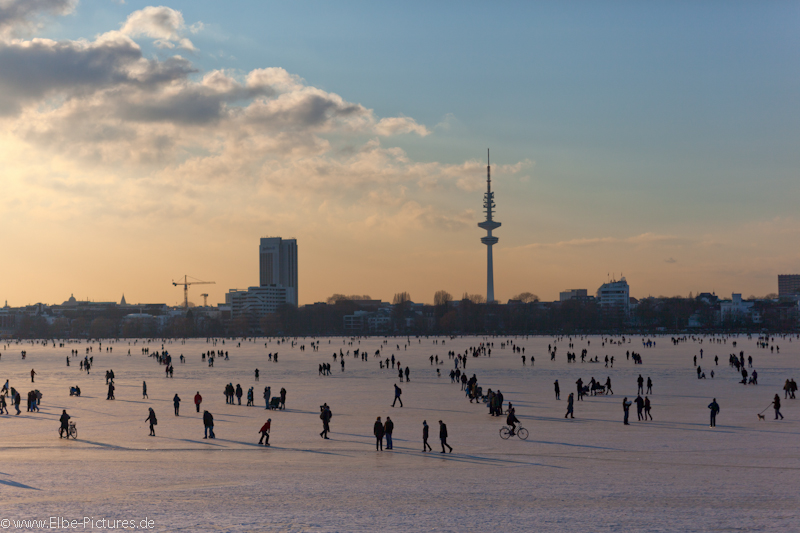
column 205, row 299
column 186, row 284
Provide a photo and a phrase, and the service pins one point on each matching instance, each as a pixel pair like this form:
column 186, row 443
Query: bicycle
column 521, row 432
column 72, row 431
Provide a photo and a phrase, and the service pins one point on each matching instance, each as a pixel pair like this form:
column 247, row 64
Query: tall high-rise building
column 489, row 225
column 278, row 265
column 788, row 284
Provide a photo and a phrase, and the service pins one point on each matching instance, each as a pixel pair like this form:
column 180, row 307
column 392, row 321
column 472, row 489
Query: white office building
column 256, row 301
column 615, row 296
column 278, row 265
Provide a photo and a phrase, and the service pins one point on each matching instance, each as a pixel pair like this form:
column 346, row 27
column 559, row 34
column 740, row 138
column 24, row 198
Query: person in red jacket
column 265, row 432
column 198, row 400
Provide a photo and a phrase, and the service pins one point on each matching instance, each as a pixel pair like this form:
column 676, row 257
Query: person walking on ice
column 570, row 406
column 558, row 390
column 152, row 419
column 144, row 390
column 443, row 436
column 425, row 430
column 776, row 404
column 397, row 393
column 265, row 432
column 714, row 407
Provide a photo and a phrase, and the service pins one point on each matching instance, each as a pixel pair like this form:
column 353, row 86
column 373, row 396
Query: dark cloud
column 32, row 70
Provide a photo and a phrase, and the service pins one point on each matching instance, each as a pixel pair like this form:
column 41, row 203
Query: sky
column 142, row 142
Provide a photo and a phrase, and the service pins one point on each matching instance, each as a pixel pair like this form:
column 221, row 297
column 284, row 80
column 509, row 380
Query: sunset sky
column 655, row 140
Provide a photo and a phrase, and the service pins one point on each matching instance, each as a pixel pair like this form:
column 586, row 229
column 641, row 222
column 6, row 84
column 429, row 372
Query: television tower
column 489, row 225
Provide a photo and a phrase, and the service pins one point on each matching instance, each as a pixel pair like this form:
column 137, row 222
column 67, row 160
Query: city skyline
column 143, row 143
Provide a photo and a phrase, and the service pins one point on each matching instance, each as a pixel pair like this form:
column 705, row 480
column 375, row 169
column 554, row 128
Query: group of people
column 383, row 430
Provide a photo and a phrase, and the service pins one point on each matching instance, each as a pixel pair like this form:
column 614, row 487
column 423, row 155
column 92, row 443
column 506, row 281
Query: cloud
column 163, row 24
column 398, row 125
column 159, row 132
column 20, row 16
column 636, row 240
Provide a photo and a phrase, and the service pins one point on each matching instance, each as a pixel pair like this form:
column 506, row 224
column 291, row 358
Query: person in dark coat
column 776, row 404
column 570, row 406
column 208, row 423
column 325, row 416
column 397, row 393
column 714, row 407
column 239, row 393
column 152, row 419
column 63, row 430
column 198, row 400
column 558, row 390
column 377, row 430
column 443, row 436
column 425, row 446
column 176, row 402
column 626, row 406
column 388, row 427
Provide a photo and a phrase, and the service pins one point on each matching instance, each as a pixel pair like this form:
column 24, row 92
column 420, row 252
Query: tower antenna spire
column 489, row 224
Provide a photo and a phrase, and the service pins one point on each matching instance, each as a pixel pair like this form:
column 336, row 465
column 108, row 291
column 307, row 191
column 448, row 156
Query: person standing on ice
column 33, row 373
column 198, row 400
column 640, row 382
column 397, row 392
column 626, row 406
column 714, row 407
column 283, row 398
column 267, row 392
column 377, row 430
column 152, row 419
column 558, row 390
column 443, row 436
column 388, row 428
column 64, row 424
column 176, row 402
column 208, row 424
column 239, row 393
column 649, row 385
column 425, row 431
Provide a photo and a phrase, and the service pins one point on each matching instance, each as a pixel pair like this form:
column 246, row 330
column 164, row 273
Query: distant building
column 788, row 284
column 737, row 309
column 707, row 297
column 278, row 265
column 615, row 296
column 573, row 294
column 256, row 302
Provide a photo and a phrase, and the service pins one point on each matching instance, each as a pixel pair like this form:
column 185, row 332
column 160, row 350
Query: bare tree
column 401, row 298
column 442, row 298
column 474, row 298
column 526, row 297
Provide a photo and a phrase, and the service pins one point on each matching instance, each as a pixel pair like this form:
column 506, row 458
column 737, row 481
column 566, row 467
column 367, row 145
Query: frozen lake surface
column 587, row 474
